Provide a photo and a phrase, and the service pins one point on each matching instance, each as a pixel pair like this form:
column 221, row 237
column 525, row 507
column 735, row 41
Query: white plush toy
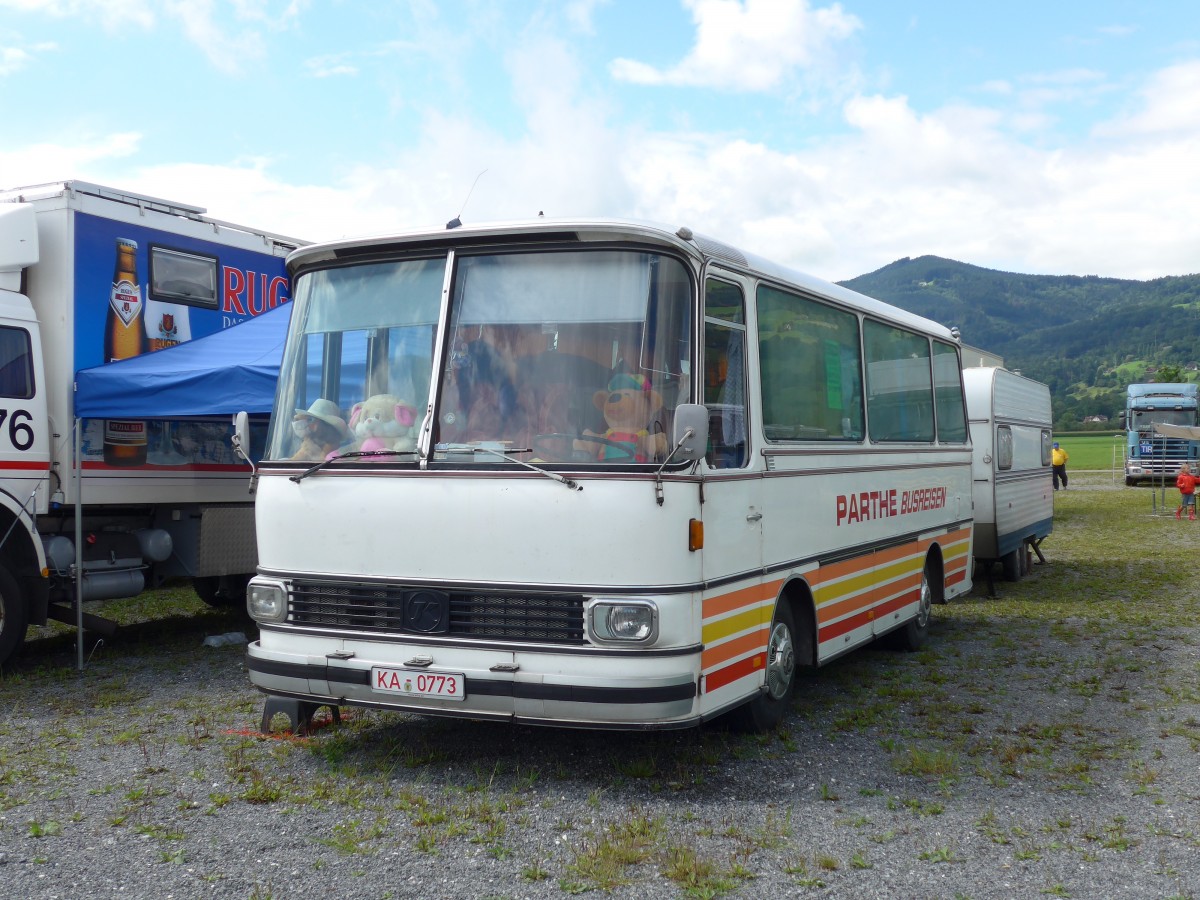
column 383, row 422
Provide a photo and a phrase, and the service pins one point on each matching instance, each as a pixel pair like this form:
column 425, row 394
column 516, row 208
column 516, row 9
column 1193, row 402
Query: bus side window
column 725, row 373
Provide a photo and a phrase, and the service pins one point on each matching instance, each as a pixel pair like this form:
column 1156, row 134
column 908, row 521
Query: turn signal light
column 695, row 534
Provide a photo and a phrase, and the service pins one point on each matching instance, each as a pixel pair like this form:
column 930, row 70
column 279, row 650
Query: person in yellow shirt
column 1058, row 462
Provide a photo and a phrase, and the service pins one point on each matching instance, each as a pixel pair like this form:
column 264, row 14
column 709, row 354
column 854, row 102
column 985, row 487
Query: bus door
column 732, row 510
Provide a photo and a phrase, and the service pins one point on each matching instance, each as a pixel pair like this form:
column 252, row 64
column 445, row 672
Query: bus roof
column 546, row 230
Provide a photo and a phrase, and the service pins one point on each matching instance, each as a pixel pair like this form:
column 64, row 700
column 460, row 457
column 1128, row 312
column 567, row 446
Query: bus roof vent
column 709, row 247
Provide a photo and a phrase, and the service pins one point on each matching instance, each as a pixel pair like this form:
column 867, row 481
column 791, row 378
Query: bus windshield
column 573, row 356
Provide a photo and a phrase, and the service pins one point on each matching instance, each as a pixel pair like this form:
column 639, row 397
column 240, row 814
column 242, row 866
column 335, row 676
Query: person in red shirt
column 1186, row 482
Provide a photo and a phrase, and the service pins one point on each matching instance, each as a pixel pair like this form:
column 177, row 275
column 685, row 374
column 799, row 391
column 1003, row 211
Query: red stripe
column 837, row 629
column 740, row 669
column 40, row 466
column 190, row 467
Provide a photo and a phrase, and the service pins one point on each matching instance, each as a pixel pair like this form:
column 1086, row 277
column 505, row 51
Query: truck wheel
column 14, row 617
column 766, row 711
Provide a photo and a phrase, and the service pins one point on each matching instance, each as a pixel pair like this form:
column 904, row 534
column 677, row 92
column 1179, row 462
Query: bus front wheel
column 767, row 710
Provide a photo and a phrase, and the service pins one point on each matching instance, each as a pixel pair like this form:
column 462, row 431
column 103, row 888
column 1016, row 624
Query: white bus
column 616, row 476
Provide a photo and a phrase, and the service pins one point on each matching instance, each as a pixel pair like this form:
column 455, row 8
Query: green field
column 1101, row 452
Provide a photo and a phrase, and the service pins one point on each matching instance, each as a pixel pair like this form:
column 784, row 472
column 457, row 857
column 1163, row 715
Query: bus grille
column 403, row 609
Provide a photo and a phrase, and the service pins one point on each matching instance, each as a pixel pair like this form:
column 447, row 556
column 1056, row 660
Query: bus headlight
column 626, row 621
column 266, row 601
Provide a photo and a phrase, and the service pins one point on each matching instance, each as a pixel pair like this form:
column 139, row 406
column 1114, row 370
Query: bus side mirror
column 690, row 417
column 241, row 435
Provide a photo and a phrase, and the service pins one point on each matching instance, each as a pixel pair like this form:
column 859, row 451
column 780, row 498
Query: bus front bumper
column 537, row 688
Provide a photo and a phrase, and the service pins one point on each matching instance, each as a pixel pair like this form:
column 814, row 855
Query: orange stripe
column 868, row 598
column 891, row 554
column 722, row 652
column 748, row 596
column 722, row 677
column 839, row 569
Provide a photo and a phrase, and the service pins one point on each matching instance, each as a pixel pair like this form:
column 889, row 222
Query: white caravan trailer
column 1010, row 432
column 623, row 476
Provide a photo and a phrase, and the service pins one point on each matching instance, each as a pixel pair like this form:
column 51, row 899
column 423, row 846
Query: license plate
column 419, row 683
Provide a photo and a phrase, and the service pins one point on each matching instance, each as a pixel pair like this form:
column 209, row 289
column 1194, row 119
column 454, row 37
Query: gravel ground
column 1028, row 751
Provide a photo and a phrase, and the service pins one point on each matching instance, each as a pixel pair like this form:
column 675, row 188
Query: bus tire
column 911, row 636
column 1011, row 564
column 14, row 616
column 766, row 711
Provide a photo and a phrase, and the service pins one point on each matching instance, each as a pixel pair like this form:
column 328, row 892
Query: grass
column 1093, row 452
column 1077, row 685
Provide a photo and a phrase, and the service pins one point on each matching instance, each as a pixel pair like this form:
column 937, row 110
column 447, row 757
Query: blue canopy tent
column 223, row 373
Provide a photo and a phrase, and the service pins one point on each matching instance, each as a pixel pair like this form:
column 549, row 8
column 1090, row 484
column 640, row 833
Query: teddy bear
column 627, row 406
column 320, row 429
column 383, row 422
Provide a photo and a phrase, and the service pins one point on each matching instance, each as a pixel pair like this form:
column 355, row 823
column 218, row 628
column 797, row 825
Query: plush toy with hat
column 383, row 422
column 627, row 406
column 321, row 430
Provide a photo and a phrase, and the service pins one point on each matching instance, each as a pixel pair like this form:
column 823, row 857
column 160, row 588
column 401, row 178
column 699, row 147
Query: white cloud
column 952, row 182
column 12, row 59
column 1170, row 104
column 85, row 156
column 755, row 45
column 958, row 181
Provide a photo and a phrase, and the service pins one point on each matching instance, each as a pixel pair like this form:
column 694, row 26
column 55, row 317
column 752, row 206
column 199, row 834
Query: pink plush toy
column 383, row 422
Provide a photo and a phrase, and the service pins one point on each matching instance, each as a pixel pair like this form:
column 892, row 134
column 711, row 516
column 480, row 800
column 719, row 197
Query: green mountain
column 1086, row 337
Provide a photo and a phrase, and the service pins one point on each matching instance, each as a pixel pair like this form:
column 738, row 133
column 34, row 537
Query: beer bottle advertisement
column 147, row 283
column 124, row 338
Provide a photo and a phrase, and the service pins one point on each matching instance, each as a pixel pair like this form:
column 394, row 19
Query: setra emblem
column 426, row 612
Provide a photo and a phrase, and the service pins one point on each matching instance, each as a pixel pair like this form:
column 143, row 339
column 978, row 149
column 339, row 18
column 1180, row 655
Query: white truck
column 98, row 509
column 1010, row 422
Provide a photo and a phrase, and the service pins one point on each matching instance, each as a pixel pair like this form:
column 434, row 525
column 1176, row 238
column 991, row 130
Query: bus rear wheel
column 767, row 710
column 14, row 616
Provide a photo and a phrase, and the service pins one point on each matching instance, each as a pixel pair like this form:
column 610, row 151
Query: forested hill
column 1085, row 336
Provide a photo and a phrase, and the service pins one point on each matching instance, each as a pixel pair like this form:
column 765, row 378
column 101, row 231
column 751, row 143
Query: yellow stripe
column 723, row 628
column 836, row 590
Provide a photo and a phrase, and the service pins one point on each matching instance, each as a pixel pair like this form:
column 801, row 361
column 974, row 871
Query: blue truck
column 1149, row 454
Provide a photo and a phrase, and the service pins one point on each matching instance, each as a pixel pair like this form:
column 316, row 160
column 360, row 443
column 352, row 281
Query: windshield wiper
column 477, row 448
column 351, row 455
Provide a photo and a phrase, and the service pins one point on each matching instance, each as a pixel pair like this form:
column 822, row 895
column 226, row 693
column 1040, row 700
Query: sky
column 1051, row 138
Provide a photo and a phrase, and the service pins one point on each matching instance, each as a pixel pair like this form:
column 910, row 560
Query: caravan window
column 1047, row 447
column 1004, row 448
